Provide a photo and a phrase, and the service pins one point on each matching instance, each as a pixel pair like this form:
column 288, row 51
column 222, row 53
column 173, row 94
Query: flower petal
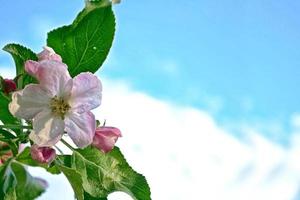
column 31, row 67
column 47, row 129
column 52, row 75
column 81, row 128
column 49, row 54
column 29, row 102
column 86, row 93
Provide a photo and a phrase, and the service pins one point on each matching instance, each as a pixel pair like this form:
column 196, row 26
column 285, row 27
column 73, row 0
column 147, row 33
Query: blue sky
column 192, row 74
column 237, row 59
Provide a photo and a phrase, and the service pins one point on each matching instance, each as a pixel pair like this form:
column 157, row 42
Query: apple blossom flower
column 105, row 138
column 42, row 154
column 58, row 103
column 8, row 86
column 48, row 54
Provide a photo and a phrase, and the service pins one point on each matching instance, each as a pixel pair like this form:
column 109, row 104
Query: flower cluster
column 58, row 105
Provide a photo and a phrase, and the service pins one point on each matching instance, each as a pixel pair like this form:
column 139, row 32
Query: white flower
column 58, row 103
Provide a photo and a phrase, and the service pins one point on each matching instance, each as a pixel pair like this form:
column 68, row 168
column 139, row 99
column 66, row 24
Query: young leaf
column 16, row 183
column 84, row 45
column 20, row 55
column 103, row 174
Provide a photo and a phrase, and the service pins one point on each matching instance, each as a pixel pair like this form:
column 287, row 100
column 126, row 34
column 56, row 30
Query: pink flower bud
column 49, row 54
column 105, row 138
column 42, row 154
column 8, row 86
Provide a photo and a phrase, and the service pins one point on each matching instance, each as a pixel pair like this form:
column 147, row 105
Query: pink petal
column 105, row 138
column 29, row 102
column 42, row 154
column 81, row 128
column 31, row 67
column 86, row 92
column 49, row 54
column 47, row 129
column 52, row 75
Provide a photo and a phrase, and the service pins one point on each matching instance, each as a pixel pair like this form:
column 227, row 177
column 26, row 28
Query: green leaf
column 16, row 183
column 85, row 44
column 74, row 178
column 5, row 135
column 8, row 138
column 103, row 174
column 89, row 197
column 20, row 55
column 1, row 83
column 5, row 116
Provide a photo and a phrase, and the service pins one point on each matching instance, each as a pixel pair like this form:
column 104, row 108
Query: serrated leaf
column 16, row 183
column 20, row 55
column 85, row 44
column 103, row 174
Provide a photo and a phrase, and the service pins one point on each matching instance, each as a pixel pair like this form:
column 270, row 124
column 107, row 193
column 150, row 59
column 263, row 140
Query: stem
column 10, row 126
column 6, row 97
column 67, row 144
column 58, row 149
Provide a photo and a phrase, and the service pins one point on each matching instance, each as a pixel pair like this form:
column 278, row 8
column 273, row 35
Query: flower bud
column 8, row 86
column 105, row 138
column 42, row 154
column 49, row 54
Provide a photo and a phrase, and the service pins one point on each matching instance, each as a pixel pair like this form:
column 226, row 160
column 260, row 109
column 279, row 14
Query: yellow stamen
column 59, row 106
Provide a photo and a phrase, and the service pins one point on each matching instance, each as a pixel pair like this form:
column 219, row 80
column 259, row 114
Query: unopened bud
column 8, row 86
column 105, row 138
column 42, row 154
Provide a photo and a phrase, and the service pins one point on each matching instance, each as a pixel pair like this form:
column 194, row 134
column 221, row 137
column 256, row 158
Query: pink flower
column 49, row 54
column 8, row 86
column 105, row 138
column 58, row 103
column 42, row 154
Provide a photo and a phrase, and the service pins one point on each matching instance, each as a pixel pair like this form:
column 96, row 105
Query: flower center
column 59, row 106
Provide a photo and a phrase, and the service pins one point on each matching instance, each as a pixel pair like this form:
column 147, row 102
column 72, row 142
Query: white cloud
column 185, row 154
column 295, row 121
